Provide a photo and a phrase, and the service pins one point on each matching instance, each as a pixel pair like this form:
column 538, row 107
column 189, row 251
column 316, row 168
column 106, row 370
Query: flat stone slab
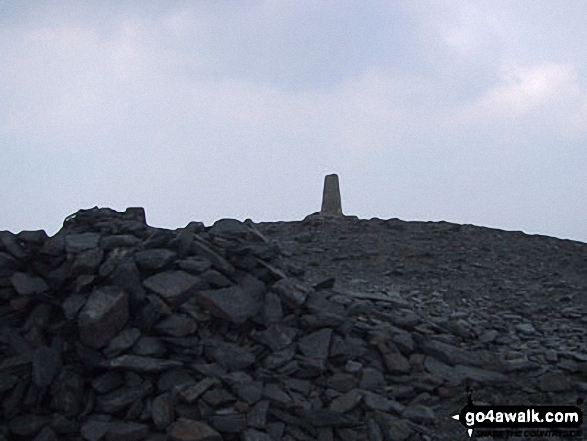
column 141, row 364
column 26, row 284
column 231, row 303
column 316, row 344
column 103, row 315
column 173, row 286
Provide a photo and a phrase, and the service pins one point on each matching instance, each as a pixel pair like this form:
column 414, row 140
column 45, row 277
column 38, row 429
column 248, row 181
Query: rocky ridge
column 325, row 329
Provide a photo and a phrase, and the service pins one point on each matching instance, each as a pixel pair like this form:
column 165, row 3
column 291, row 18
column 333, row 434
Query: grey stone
column 232, row 304
column 173, row 286
column 122, row 398
column 103, row 315
column 122, row 342
column 191, row 392
column 554, row 382
column 216, row 279
column 373, row 401
column 230, row 356
column 94, row 430
column 419, row 414
column 454, row 355
column 479, row 375
column 278, row 337
column 276, row 394
column 118, row 241
column 255, row 435
column 195, row 264
column 218, row 396
column 331, row 204
column 10, row 243
column 162, row 411
column 372, row 379
column 8, row 262
column 28, row 285
column 316, row 344
column 107, row 382
column 127, row 431
column 141, row 364
column 229, row 422
column 177, row 325
column 202, row 249
column 149, row 346
column 46, row 434
column 272, row 310
column 290, row 292
column 28, row 424
column 154, row 259
column 189, row 430
column 257, row 416
column 87, row 262
column 229, row 229
column 76, row 243
column 278, row 359
column 46, row 364
column 342, row 382
column 174, row 379
column 346, row 402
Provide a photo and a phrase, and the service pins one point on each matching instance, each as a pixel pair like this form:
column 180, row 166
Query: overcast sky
column 466, row 111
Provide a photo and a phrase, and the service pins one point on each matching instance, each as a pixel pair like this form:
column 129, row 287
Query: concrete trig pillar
column 331, row 205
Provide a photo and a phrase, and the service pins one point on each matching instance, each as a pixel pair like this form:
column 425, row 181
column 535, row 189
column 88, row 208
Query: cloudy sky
column 466, row 111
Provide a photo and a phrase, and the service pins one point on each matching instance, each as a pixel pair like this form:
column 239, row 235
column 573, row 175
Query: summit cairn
column 331, row 205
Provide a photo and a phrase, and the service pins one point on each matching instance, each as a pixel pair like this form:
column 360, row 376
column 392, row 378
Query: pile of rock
column 115, row 330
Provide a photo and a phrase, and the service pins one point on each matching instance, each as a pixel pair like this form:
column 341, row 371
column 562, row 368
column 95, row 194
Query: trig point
column 331, row 205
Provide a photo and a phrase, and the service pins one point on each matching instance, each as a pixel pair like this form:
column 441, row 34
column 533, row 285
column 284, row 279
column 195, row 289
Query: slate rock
column 346, row 402
column 419, row 414
column 195, row 264
column 173, row 286
column 229, row 422
column 141, row 364
column 103, row 315
column 94, row 430
column 118, row 241
column 87, row 262
column 256, row 435
column 316, row 344
column 126, row 431
column 46, row 434
column 123, row 341
column 122, row 398
column 28, row 424
column 176, row 325
column 46, row 364
column 27, row 284
column 230, row 356
column 76, row 243
column 107, row 382
column 154, row 259
column 162, row 411
column 257, row 415
column 229, row 229
column 189, row 430
column 202, row 249
column 554, row 382
column 290, row 292
column 150, row 347
column 190, row 392
column 232, row 304
column 342, row 382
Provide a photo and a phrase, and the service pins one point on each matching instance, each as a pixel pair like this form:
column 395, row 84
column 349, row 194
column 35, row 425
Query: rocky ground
column 324, row 329
column 522, row 298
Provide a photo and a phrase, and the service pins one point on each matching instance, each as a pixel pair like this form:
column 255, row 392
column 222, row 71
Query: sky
column 473, row 112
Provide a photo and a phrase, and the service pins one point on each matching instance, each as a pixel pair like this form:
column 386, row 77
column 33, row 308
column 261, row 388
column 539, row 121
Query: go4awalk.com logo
column 529, row 421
